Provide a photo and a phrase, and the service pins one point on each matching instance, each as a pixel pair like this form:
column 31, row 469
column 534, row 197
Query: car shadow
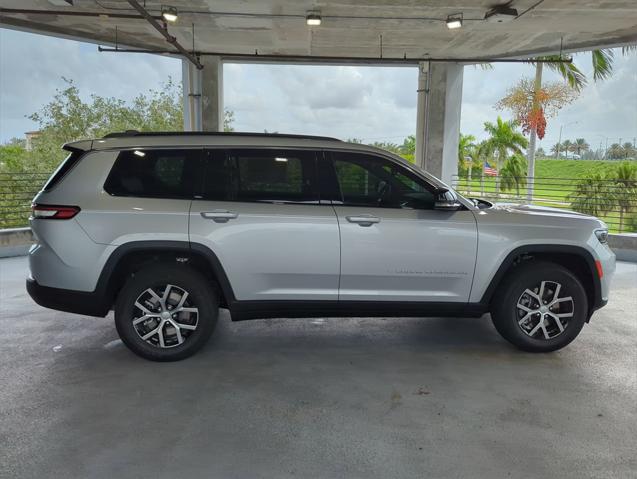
column 318, row 333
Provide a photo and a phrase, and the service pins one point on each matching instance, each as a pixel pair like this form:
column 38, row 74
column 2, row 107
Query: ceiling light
column 282, row 160
column 169, row 14
column 454, row 21
column 313, row 18
column 139, row 153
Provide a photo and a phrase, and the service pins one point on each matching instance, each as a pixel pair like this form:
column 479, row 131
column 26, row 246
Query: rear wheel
column 166, row 312
column 540, row 307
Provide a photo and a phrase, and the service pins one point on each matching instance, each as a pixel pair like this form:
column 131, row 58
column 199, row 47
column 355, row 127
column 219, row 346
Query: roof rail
column 135, row 133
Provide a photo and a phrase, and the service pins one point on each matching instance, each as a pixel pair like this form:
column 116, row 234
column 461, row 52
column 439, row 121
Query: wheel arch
column 576, row 259
column 131, row 257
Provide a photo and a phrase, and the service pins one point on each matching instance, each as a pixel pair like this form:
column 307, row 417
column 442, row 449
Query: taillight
column 51, row 212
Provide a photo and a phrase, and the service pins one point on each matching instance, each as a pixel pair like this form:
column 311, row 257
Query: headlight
column 602, row 235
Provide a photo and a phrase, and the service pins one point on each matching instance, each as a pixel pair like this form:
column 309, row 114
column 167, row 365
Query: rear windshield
column 151, row 173
column 66, row 166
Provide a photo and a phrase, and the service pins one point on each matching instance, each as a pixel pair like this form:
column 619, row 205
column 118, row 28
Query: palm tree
column 628, row 148
column 567, row 146
column 465, row 144
column 556, row 148
column 478, row 157
column 626, row 189
column 580, row 145
column 504, row 139
column 602, row 68
column 602, row 61
column 592, row 195
column 513, row 173
column 615, row 151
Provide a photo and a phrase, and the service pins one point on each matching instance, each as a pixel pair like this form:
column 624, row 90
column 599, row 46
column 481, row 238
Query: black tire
column 506, row 314
column 200, row 295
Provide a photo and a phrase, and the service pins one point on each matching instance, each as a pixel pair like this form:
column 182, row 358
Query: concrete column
column 191, row 83
column 421, row 111
column 212, row 94
column 438, row 119
column 185, row 88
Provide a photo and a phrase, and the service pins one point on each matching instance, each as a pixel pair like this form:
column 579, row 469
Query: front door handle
column 219, row 216
column 363, row 220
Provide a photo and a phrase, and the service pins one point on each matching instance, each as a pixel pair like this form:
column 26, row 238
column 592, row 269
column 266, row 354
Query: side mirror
column 446, row 201
column 447, row 205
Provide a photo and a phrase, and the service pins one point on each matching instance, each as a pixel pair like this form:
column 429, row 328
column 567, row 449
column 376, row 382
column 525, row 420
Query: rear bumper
column 70, row 301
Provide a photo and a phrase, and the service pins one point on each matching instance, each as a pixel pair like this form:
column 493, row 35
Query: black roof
column 135, row 133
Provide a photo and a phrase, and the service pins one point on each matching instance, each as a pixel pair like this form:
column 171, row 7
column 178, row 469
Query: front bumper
column 607, row 259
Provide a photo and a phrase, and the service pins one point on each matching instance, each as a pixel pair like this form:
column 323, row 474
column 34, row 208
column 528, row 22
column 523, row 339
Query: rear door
column 394, row 245
column 260, row 212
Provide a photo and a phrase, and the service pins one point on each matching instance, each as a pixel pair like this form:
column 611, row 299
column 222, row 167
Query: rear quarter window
column 62, row 170
column 151, row 173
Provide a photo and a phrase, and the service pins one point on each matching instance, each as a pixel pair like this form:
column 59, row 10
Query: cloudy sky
column 370, row 103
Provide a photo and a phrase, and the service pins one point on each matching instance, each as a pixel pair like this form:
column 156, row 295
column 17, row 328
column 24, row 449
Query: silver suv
column 167, row 228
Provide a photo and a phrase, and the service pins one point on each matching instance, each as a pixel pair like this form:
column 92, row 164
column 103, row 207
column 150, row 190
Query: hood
column 539, row 210
column 548, row 215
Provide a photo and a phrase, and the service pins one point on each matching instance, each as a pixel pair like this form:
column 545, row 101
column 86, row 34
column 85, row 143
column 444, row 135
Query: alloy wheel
column 542, row 312
column 165, row 316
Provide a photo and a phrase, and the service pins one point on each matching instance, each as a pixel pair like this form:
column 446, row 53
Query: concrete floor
column 316, row 398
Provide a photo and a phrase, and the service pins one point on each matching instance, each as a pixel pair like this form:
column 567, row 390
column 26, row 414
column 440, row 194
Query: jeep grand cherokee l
column 166, row 228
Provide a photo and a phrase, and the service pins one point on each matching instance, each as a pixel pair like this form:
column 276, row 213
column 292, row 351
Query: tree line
column 67, row 117
column 581, row 148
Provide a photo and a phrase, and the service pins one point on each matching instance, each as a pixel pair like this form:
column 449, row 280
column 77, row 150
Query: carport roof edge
column 350, row 30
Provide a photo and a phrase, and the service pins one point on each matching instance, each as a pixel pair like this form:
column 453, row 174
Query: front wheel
column 540, row 307
column 166, row 312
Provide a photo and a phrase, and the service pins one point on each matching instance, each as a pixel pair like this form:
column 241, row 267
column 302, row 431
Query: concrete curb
column 624, row 246
column 15, row 242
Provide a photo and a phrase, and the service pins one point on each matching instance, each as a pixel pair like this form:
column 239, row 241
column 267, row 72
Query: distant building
column 30, row 136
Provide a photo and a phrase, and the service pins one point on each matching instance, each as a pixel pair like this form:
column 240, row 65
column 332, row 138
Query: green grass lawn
column 550, row 168
column 554, row 181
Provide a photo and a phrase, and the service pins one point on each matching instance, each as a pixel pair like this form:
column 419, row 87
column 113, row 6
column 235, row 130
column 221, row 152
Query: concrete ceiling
column 350, row 28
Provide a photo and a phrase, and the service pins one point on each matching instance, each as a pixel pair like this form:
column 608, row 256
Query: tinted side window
column 220, row 177
column 261, row 175
column 370, row 181
column 66, row 166
column 153, row 173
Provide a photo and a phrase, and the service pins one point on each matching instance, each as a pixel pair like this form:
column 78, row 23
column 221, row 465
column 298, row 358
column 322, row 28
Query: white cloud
column 346, row 102
column 32, row 67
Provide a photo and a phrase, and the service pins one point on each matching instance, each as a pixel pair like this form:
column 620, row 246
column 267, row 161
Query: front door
column 259, row 211
column 394, row 245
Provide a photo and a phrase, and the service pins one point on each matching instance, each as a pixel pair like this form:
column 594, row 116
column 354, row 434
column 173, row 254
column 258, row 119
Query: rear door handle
column 363, row 220
column 219, row 216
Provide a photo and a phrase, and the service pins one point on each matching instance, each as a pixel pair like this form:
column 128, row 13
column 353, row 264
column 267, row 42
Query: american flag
column 489, row 171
